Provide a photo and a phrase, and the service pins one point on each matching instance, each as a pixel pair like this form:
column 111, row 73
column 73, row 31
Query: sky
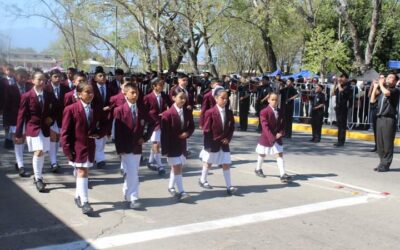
column 25, row 33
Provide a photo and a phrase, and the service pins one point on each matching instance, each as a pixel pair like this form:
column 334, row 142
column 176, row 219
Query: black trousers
column 317, row 117
column 341, row 120
column 385, row 134
column 374, row 111
column 244, row 117
column 288, row 121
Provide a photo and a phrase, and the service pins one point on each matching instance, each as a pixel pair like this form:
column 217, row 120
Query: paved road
column 334, row 202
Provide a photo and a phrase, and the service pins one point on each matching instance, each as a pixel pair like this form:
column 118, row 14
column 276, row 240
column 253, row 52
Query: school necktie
column 103, row 93
column 88, row 114
column 159, row 102
column 40, row 96
column 182, row 118
column 57, row 92
column 133, row 110
column 223, row 118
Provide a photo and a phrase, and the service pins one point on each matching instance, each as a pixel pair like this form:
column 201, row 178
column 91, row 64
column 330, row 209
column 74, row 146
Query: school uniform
column 207, row 103
column 317, row 115
column 175, row 121
column 129, row 129
column 10, row 114
column 80, row 121
column 70, row 97
column 102, row 95
column 189, row 94
column 271, row 124
column 219, row 124
column 155, row 105
column 69, row 84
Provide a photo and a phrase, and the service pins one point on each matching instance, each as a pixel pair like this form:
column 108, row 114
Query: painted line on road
column 157, row 234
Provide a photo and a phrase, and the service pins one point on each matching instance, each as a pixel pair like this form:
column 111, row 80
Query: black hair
column 156, row 81
column 119, row 71
column 131, row 85
column 55, row 72
column 396, row 77
column 218, row 91
column 345, row 75
column 81, row 86
column 22, row 72
column 177, row 91
column 79, row 74
column 291, row 79
column 99, row 69
column 73, row 70
column 182, row 75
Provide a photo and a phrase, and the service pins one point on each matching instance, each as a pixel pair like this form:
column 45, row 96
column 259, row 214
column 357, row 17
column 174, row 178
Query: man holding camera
column 342, row 91
column 386, row 118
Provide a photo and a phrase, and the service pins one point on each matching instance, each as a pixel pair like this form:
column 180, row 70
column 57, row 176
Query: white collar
column 54, row 86
column 157, row 95
column 99, row 85
column 220, row 109
column 131, row 104
column 38, row 93
column 178, row 109
column 85, row 105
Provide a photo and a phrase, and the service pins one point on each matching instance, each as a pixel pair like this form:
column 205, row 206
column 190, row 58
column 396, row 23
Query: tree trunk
column 159, row 55
column 269, row 51
column 146, row 49
column 377, row 4
column 210, row 63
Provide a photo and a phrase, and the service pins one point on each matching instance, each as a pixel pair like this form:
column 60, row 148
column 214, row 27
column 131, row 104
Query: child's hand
column 141, row 141
column 184, row 135
column 278, row 135
column 225, row 141
column 48, row 121
column 94, row 136
column 107, row 108
column 18, row 140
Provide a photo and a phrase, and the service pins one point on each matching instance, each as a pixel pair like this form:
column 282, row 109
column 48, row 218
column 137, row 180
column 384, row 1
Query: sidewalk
column 326, row 130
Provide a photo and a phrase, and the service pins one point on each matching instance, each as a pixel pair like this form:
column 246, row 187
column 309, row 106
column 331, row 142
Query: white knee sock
column 227, row 176
column 76, row 189
column 171, row 179
column 157, row 156
column 151, row 157
column 37, row 164
column 204, row 173
column 82, row 186
column 53, row 152
column 279, row 161
column 260, row 161
column 19, row 154
column 179, row 184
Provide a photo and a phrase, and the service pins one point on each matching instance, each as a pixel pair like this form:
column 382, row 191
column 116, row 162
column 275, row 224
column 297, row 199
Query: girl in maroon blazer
column 176, row 126
column 155, row 104
column 36, row 115
column 71, row 97
column 10, row 114
column 129, row 137
column 270, row 142
column 81, row 125
column 208, row 101
column 218, row 128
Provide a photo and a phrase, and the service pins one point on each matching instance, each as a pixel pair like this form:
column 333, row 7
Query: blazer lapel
column 82, row 114
column 129, row 117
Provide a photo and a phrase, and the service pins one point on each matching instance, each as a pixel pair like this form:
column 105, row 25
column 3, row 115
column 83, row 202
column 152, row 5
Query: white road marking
column 156, row 234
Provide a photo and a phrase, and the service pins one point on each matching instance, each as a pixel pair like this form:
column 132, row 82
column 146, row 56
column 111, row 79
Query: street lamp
column 116, row 33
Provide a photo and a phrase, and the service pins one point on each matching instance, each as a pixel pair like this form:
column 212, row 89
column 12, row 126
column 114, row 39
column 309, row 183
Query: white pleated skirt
column 275, row 149
column 86, row 164
column 217, row 158
column 156, row 136
column 38, row 143
column 179, row 160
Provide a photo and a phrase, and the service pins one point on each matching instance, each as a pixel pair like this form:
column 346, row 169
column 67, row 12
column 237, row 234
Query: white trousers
column 131, row 164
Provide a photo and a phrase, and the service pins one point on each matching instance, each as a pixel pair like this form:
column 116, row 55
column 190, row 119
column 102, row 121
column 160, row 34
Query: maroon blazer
column 59, row 102
column 75, row 132
column 190, row 101
column 208, row 102
column 171, row 144
column 270, row 127
column 152, row 109
column 11, row 104
column 214, row 131
column 128, row 134
column 33, row 116
column 69, row 98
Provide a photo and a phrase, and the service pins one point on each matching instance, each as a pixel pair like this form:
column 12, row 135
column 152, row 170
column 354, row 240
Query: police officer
column 343, row 93
column 263, row 92
column 387, row 101
column 317, row 112
column 288, row 94
column 244, row 105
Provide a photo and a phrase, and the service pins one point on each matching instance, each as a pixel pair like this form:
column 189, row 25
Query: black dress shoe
column 86, row 208
column 161, row 171
column 231, row 190
column 101, row 164
column 286, row 178
column 260, row 173
column 205, row 185
column 312, row 140
column 338, row 144
column 55, row 168
column 152, row 167
column 23, row 173
column 16, row 167
column 40, row 186
column 317, row 141
column 78, row 202
column 183, row 196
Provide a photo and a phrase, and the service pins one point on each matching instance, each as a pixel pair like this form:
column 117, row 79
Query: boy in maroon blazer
column 155, row 104
column 129, row 137
column 177, row 125
column 116, row 84
column 36, row 114
column 71, row 96
column 10, row 114
column 102, row 94
column 57, row 91
column 270, row 142
column 183, row 80
column 71, row 72
column 82, row 124
column 218, row 130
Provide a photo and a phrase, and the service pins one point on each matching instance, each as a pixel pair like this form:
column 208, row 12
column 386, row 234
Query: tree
column 323, row 53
